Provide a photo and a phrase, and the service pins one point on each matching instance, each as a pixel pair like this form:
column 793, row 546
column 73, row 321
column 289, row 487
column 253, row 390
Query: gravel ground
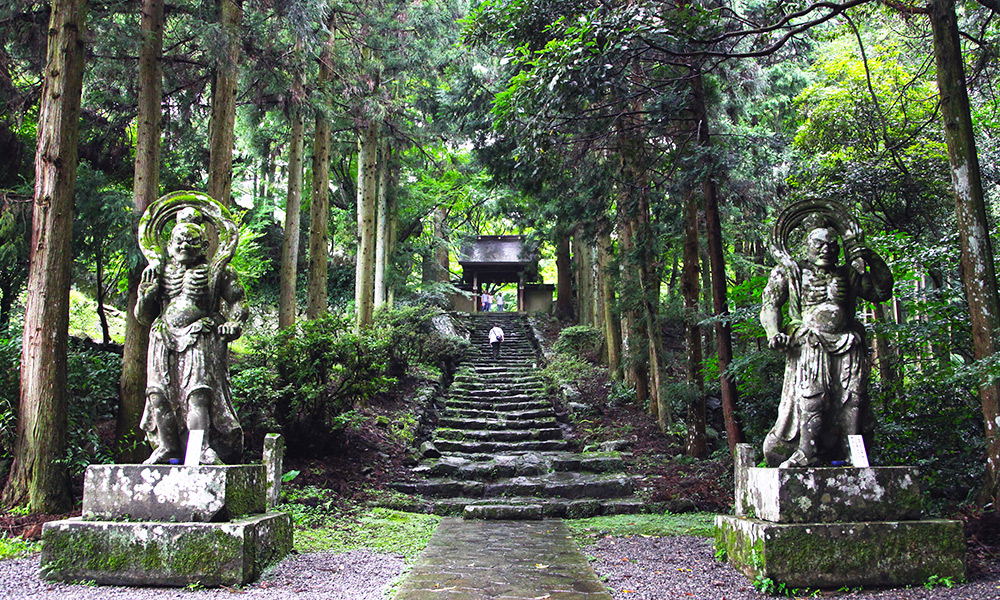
column 355, row 575
column 635, row 568
column 653, row 568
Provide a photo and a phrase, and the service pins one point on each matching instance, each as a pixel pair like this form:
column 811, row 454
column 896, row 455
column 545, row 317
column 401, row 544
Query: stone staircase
column 499, row 452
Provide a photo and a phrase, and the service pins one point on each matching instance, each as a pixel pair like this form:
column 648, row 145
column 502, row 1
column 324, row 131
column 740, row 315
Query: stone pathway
column 499, row 451
column 502, row 560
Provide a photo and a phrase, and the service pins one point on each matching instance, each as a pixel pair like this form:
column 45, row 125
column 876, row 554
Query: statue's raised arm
column 824, row 397
column 194, row 305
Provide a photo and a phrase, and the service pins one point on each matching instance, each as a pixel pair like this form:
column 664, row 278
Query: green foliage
column 308, row 380
column 936, row 580
column 92, row 384
column 18, row 547
column 93, row 376
column 10, row 378
column 567, row 368
column 665, row 525
column 321, row 527
column 580, row 340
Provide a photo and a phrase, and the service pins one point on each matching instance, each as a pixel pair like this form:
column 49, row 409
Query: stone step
column 494, row 399
column 470, row 447
column 474, row 377
column 497, row 435
column 482, row 413
column 569, row 486
column 494, row 424
column 499, row 406
column 493, row 392
column 489, row 468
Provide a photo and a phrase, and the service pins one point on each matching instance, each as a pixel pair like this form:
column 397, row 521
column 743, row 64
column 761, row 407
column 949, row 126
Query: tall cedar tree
column 39, row 476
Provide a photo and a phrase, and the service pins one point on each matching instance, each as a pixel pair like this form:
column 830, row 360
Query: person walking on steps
column 496, row 337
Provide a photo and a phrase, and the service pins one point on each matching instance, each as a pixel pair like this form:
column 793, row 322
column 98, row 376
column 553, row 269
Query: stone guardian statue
column 193, row 304
column 824, row 397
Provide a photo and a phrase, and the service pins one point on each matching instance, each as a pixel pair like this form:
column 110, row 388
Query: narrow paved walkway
column 502, row 560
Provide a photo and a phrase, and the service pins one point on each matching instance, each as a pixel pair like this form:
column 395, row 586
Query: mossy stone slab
column 164, row 554
column 831, row 494
column 173, row 492
column 833, row 555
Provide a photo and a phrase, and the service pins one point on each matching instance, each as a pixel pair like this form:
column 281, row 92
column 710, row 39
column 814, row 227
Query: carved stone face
column 187, row 245
column 822, row 248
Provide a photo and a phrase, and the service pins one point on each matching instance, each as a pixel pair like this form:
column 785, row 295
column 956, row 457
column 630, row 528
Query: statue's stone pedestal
column 834, row 527
column 165, row 525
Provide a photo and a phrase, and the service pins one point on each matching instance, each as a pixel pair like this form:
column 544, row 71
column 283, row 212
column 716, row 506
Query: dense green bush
column 303, row 379
column 581, row 340
column 92, row 383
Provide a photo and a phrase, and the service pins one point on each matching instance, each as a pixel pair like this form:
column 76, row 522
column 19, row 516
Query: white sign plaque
column 859, row 456
column 193, row 454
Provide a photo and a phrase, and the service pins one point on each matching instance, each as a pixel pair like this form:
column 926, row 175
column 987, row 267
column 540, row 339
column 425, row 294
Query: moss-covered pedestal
column 148, row 525
column 834, row 527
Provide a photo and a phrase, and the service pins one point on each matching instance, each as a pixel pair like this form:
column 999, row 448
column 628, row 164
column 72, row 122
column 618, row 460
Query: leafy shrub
column 10, row 364
column 92, row 384
column 581, row 340
column 306, row 380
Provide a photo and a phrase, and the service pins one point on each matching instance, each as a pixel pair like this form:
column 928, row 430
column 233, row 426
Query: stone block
column 832, row 555
column 173, row 492
column 829, row 494
column 164, row 554
column 492, row 512
column 274, row 461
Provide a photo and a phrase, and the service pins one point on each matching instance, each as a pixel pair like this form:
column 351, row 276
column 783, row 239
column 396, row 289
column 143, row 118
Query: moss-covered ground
column 663, row 525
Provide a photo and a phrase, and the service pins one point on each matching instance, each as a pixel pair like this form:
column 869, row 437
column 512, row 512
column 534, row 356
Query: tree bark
column 720, row 304
column 564, row 277
column 697, row 445
column 612, row 322
column 129, row 438
column 978, row 271
column 39, row 476
column 364, row 290
column 382, row 223
column 225, row 78
column 637, row 372
column 442, row 263
column 293, row 218
column 319, row 208
column 583, row 253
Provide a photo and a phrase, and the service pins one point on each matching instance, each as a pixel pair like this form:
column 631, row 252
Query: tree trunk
column 720, row 304
column 293, row 217
column 392, row 230
column 637, row 372
column 319, row 208
column 382, row 223
column 583, row 253
column 39, row 476
column 564, row 277
column 364, row 290
column 889, row 376
column 978, row 271
column 129, row 438
column 442, row 268
column 225, row 78
column 102, row 315
column 612, row 322
column 697, row 445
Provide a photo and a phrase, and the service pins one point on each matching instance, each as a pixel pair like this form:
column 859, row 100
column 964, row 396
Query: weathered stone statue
column 190, row 298
column 824, row 398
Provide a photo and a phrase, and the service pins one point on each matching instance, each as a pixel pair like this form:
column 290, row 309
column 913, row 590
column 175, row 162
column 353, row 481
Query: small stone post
column 746, row 457
column 274, row 458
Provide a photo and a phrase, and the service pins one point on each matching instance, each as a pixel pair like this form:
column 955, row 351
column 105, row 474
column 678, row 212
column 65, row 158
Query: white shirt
column 496, row 334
